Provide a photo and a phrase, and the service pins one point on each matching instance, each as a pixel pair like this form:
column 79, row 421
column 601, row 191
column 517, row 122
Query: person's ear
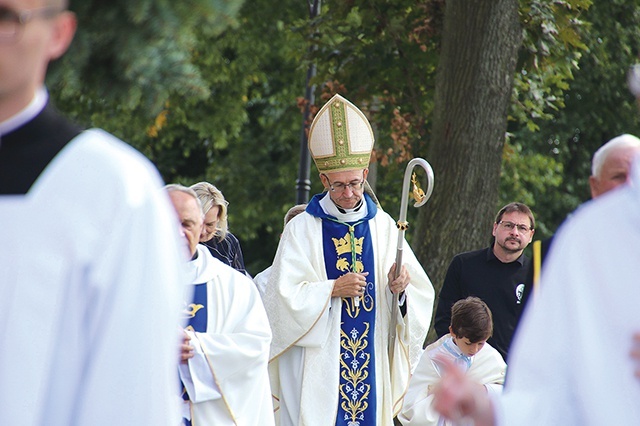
column 64, row 28
column 593, row 185
column 324, row 180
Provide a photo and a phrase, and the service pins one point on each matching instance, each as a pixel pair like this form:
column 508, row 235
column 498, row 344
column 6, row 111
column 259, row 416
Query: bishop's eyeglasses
column 340, row 187
column 12, row 21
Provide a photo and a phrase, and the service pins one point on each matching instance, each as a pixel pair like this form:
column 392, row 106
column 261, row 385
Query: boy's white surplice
column 227, row 380
column 486, row 367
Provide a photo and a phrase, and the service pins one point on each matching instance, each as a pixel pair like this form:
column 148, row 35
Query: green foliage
column 531, row 178
column 132, row 55
column 551, row 49
column 384, row 55
column 244, row 138
column 598, row 107
column 208, row 90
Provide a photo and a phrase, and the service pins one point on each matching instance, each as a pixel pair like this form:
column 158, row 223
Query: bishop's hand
column 351, row 284
column 398, row 285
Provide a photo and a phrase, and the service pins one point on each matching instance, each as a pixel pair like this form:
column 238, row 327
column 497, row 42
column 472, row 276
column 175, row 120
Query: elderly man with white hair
column 224, row 354
column 611, row 164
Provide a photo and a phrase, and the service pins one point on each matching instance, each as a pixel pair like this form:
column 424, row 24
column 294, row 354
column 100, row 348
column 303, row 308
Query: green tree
column 556, row 156
column 132, row 61
column 131, row 55
column 473, row 90
column 244, row 137
column 209, row 92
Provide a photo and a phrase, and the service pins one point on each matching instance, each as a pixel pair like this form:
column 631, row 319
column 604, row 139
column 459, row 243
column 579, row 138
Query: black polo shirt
column 500, row 285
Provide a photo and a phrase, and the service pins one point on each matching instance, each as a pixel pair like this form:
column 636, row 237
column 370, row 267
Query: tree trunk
column 480, row 42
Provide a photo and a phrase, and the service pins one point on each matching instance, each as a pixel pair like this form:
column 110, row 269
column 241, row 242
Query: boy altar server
column 466, row 346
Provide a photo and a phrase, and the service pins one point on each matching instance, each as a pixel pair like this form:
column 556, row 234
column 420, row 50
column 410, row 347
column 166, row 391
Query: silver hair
column 176, row 187
column 623, row 141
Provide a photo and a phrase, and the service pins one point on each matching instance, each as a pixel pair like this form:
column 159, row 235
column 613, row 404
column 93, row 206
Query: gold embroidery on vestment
column 366, row 302
column 354, row 394
column 191, row 309
column 343, row 245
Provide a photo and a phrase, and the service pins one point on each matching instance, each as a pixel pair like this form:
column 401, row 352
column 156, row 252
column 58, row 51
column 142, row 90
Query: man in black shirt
column 496, row 275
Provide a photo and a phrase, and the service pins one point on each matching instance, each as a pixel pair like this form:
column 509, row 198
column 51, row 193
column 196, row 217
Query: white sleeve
column 197, row 377
column 316, row 337
column 417, row 407
column 493, row 388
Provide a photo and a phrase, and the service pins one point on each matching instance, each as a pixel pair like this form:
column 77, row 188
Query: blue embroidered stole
column 348, row 248
column 196, row 315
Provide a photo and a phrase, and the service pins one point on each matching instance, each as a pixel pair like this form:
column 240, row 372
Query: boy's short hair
column 471, row 318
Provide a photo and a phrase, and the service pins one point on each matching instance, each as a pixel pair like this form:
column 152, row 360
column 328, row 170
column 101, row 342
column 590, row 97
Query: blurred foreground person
column 89, row 255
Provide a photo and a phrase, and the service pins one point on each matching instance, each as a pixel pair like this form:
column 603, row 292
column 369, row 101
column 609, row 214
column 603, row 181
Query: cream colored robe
column 227, row 379
column 90, row 273
column 570, row 363
column 487, row 368
column 305, row 318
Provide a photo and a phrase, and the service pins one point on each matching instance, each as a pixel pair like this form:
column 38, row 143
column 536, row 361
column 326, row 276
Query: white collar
column 348, row 216
column 27, row 114
column 203, row 268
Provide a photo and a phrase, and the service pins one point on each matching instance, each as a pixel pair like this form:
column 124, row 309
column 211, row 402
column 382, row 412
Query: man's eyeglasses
column 12, row 21
column 339, row 187
column 509, row 226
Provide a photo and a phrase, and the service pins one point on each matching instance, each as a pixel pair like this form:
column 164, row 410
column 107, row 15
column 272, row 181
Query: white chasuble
column 307, row 322
column 227, row 380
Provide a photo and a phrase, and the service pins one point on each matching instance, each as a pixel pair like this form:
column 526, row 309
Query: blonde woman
column 222, row 244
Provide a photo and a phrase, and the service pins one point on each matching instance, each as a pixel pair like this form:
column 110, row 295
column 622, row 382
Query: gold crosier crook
column 420, row 198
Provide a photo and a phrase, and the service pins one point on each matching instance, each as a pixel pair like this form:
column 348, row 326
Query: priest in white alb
column 225, row 350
